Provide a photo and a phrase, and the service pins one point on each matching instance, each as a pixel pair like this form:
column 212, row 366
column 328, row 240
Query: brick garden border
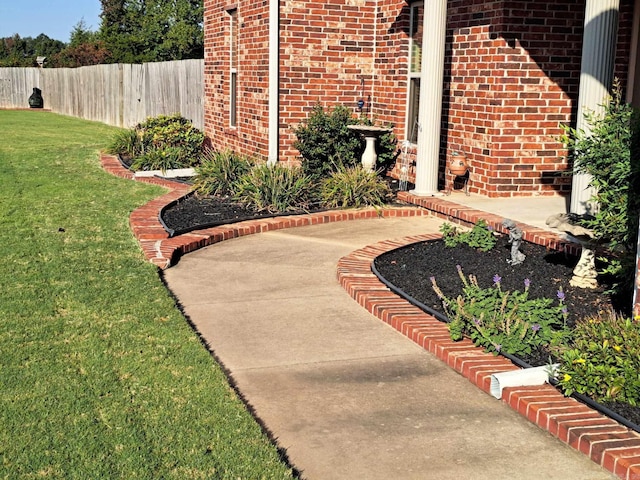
column 611, row 445
column 608, row 443
column 164, row 251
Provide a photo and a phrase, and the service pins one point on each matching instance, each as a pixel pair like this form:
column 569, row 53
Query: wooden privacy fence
column 116, row 94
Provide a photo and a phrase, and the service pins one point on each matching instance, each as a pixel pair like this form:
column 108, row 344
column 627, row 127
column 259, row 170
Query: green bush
column 276, row 189
column 160, row 143
column 173, row 134
column 508, row 322
column 602, row 360
column 218, row 172
column 354, row 187
column 481, row 236
column 325, row 142
column 610, row 154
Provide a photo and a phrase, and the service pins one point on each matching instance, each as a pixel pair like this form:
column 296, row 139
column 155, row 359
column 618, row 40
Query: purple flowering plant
column 503, row 321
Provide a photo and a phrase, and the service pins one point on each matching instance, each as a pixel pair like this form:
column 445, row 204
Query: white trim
column 274, row 81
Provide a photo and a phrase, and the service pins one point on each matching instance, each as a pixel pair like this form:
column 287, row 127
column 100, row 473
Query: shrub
column 162, row 142
column 325, row 142
column 602, row 359
column 481, row 236
column 509, row 322
column 609, row 154
column 354, row 187
column 276, row 189
column 218, row 172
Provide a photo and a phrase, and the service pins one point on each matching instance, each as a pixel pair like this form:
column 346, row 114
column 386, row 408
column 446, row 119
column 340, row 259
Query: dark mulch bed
column 410, row 268
column 196, row 212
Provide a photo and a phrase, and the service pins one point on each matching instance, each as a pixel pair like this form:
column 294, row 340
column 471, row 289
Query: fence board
column 115, row 94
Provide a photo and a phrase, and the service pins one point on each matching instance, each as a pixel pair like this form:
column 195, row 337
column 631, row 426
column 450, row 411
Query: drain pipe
column 525, row 377
column 274, row 80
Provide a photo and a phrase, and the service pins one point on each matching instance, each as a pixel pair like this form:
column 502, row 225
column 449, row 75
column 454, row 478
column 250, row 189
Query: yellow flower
column 580, row 360
column 617, row 348
column 566, row 377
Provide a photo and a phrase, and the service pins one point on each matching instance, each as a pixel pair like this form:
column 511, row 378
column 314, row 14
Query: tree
column 85, row 48
column 136, row 31
column 16, row 51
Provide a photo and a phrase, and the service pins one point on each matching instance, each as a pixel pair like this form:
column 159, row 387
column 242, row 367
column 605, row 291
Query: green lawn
column 100, row 375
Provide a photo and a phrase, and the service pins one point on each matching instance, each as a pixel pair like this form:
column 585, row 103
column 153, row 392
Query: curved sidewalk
column 346, row 395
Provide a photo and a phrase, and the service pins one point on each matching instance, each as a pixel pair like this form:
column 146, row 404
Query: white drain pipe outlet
column 521, row 378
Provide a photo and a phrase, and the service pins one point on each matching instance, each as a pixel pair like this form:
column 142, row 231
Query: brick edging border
column 608, row 443
column 164, row 251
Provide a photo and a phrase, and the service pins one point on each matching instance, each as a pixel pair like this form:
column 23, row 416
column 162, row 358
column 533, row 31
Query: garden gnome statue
column 515, row 239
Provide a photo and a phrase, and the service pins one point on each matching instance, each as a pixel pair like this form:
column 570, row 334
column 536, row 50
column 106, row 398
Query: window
column 415, row 63
column 233, row 67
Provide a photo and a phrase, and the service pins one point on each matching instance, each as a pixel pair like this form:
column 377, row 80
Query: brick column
column 431, row 88
column 596, row 75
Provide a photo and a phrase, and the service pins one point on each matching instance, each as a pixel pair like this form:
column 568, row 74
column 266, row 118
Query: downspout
column 274, row 80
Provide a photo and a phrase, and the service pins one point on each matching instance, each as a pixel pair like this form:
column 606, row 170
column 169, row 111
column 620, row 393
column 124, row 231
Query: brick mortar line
column 543, row 405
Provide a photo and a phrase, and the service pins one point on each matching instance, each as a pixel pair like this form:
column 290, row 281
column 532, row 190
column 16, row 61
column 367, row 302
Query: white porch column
column 274, row 81
column 430, row 110
column 596, row 75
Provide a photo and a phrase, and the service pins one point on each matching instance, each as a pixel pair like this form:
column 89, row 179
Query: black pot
column 35, row 99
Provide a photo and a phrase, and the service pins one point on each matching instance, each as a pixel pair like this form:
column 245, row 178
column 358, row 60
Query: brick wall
column 511, row 78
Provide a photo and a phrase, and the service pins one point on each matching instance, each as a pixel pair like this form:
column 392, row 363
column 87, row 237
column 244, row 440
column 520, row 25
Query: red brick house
column 491, row 78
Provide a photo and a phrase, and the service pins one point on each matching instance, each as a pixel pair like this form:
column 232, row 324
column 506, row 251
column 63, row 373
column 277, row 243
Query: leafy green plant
column 481, row 236
column 354, row 187
column 159, row 159
column 325, row 142
column 160, row 143
column 218, row 172
column 499, row 321
column 125, row 142
column 602, row 359
column 609, row 154
column 276, row 188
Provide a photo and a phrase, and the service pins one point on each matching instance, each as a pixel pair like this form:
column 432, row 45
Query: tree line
column 130, row 31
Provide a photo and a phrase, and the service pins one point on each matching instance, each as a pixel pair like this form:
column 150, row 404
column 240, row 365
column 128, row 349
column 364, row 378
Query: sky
column 54, row 18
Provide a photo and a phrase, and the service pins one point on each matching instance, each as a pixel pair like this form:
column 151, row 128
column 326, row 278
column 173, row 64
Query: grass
column 100, row 375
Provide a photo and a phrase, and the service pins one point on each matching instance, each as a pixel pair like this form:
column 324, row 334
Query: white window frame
column 233, row 67
column 411, row 125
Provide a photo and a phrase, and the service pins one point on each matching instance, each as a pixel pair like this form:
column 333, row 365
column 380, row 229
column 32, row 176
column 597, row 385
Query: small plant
column 481, row 236
column 218, row 172
column 276, row 189
column 509, row 322
column 609, row 154
column 159, row 159
column 602, row 359
column 126, row 143
column 325, row 142
column 354, row 187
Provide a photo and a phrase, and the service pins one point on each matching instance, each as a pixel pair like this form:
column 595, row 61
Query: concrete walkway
column 347, row 396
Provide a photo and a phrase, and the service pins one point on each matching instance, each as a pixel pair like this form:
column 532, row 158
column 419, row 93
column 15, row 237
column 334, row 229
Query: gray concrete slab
column 533, row 211
column 346, row 395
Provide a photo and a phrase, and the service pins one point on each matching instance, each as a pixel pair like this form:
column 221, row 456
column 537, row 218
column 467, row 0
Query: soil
column 195, row 212
column 410, row 268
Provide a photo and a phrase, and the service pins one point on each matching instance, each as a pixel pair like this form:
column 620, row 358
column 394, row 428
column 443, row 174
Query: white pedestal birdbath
column 370, row 134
